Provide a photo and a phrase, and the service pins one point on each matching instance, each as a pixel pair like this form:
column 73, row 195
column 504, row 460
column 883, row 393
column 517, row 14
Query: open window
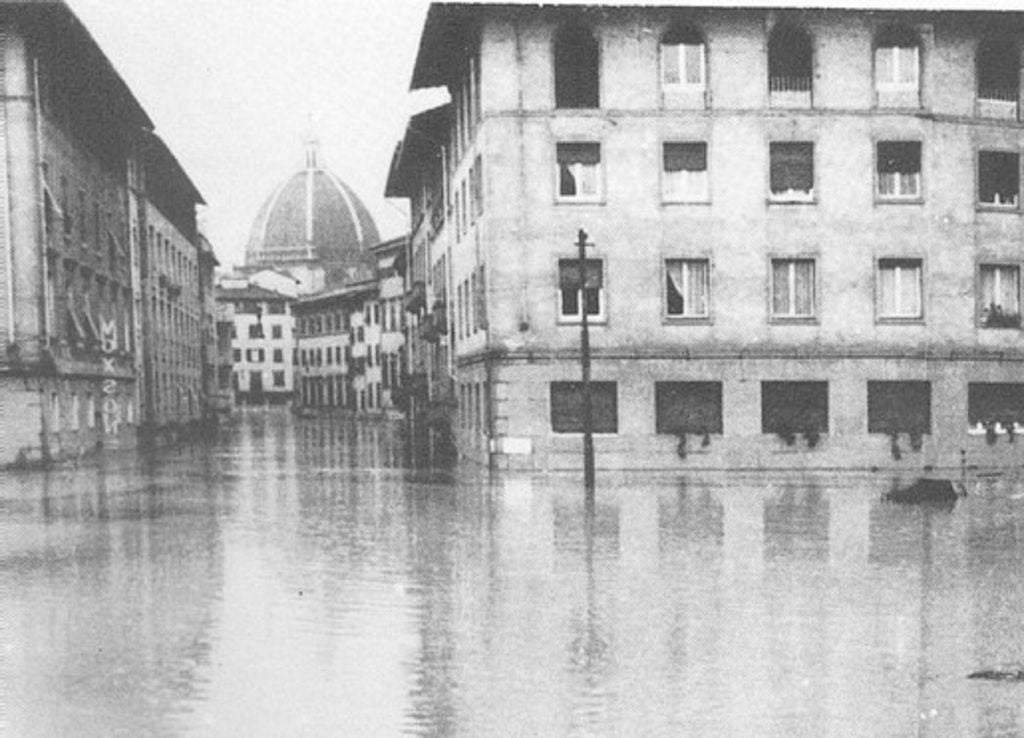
column 579, row 171
column 576, row 294
column 898, row 165
column 998, row 68
column 577, row 68
column 687, row 287
column 790, row 67
column 791, row 168
column 999, row 300
column 999, row 179
column 684, row 176
column 898, row 67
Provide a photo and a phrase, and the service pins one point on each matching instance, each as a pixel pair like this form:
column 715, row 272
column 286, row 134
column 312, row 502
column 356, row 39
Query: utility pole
column 588, row 409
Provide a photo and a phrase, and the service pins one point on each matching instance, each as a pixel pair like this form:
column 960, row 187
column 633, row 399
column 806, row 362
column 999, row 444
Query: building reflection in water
column 293, row 578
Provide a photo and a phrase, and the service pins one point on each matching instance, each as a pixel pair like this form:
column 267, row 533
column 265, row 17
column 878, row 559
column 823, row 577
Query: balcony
column 996, row 102
column 789, row 92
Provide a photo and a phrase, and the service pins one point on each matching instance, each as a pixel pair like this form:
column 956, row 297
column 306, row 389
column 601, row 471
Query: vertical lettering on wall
column 111, row 408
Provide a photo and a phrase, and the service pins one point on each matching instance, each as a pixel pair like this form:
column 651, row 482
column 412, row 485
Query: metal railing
column 789, row 84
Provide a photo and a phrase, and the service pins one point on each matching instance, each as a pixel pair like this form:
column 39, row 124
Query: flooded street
column 293, row 579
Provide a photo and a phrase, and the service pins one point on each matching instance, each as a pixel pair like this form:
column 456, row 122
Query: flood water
column 291, row 579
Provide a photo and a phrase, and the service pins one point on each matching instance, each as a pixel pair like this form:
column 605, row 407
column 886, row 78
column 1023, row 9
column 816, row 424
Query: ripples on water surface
column 291, row 579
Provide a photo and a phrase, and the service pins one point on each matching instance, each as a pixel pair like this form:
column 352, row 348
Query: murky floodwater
column 291, row 579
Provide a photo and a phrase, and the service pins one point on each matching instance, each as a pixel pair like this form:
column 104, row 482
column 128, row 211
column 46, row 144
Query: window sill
column 683, row 320
column 896, row 320
column 675, row 202
column 579, row 201
column 792, row 200
column 893, row 200
column 579, row 434
column 591, row 321
column 999, row 327
column 794, row 320
column 988, row 207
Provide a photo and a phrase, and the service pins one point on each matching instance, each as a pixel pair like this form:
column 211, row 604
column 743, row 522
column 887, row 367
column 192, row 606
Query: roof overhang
column 425, row 134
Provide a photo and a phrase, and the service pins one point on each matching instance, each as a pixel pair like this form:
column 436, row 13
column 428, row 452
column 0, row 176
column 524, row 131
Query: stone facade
column 825, row 197
column 262, row 343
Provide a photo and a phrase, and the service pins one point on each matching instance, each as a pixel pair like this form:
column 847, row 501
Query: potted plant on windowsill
column 994, row 316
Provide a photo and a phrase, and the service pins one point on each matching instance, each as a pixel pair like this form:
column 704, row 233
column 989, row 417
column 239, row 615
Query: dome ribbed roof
column 313, row 218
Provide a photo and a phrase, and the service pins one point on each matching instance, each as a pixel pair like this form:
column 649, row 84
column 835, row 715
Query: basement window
column 567, row 407
column 900, row 407
column 999, row 179
column 794, row 407
column 999, row 405
column 688, row 407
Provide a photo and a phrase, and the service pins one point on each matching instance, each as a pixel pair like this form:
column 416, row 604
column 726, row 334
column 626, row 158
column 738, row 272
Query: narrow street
column 291, row 578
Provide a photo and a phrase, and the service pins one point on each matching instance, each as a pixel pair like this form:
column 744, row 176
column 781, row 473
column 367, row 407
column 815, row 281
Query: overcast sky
column 231, row 86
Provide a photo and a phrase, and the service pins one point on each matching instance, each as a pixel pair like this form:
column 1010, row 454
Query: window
column 579, row 171
column 90, row 410
column 682, row 58
column 275, row 308
column 688, row 407
column 572, row 295
column 897, row 60
column 790, row 66
column 567, row 407
column 1000, row 296
column 899, row 288
column 900, row 407
column 684, row 176
column 793, row 288
column 278, row 356
column 686, row 288
column 279, row 379
column 237, row 355
column 998, row 74
column 794, row 407
column 999, row 404
column 898, row 164
column 792, row 171
column 998, row 178
column 577, row 63
column 276, row 331
column 250, row 356
column 75, row 412
column 256, row 330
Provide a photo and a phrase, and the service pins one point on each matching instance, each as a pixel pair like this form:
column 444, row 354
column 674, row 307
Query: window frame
column 981, row 306
column 811, row 196
column 601, row 317
column 991, row 206
column 686, row 319
column 679, row 51
column 900, row 319
column 794, row 319
column 899, row 198
column 666, row 198
column 599, row 178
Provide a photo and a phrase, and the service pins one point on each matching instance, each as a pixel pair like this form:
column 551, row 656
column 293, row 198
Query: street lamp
column 588, row 410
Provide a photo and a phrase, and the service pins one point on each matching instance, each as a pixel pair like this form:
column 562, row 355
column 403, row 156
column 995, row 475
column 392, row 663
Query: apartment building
column 262, row 342
column 803, row 228
column 350, row 341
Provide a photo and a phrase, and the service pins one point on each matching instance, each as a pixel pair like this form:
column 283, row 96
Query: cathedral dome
column 313, row 220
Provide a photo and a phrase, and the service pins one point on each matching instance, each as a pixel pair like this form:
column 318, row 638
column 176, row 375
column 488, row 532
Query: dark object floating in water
column 1012, row 674
column 926, row 490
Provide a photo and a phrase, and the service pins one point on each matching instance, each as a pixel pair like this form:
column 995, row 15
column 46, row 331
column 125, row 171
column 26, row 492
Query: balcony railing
column 998, row 94
column 789, row 84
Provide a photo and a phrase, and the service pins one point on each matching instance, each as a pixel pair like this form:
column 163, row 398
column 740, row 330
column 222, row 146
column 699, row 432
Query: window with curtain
column 897, row 59
column 1000, row 296
column 576, row 293
column 998, row 178
column 899, row 288
column 682, row 58
column 579, row 171
column 684, row 171
column 567, row 407
column 687, row 287
column 791, row 170
column 898, row 164
column 995, row 402
column 793, row 288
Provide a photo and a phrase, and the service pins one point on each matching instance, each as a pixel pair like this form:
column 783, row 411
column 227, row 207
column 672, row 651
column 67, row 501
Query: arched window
column 683, row 62
column 897, row 60
column 577, row 62
column 790, row 61
column 998, row 63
